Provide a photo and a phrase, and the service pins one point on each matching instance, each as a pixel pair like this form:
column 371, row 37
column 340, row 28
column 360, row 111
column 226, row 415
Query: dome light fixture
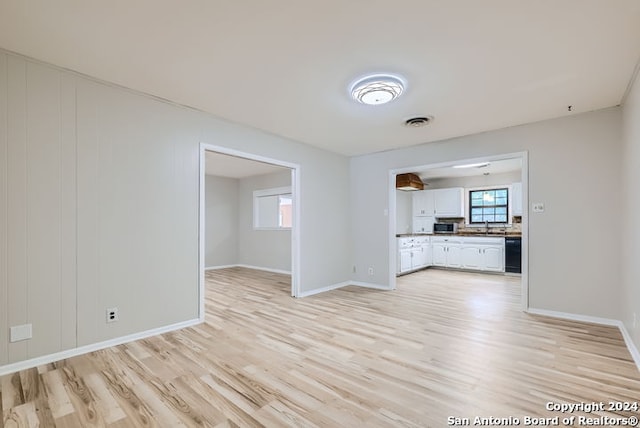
column 377, row 89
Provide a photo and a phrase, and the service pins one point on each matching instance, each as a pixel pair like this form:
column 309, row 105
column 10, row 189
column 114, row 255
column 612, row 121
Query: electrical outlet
column 354, row 269
column 112, row 315
column 370, row 271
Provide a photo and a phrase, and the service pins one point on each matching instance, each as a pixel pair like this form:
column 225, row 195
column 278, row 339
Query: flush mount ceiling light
column 377, row 89
column 473, row 165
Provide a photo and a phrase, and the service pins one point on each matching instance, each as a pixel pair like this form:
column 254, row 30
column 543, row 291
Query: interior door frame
column 393, row 250
column 295, row 229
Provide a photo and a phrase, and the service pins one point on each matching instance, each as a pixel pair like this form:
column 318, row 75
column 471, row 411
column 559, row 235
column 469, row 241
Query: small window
column 273, row 208
column 490, row 205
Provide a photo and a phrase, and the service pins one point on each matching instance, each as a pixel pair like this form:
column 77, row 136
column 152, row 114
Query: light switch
column 538, row 207
column 21, row 332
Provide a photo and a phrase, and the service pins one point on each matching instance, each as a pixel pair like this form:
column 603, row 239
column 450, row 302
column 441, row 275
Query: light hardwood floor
column 443, row 344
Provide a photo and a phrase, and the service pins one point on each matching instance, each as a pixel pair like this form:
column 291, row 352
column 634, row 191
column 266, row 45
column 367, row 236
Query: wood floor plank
column 443, row 344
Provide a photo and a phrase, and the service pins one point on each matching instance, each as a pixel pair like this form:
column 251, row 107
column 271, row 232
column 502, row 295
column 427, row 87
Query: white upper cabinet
column 449, row 202
column 516, row 199
column 439, row 203
column 423, row 203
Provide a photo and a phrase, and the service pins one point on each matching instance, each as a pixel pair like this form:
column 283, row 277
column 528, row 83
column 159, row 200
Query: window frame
column 470, row 205
column 279, row 192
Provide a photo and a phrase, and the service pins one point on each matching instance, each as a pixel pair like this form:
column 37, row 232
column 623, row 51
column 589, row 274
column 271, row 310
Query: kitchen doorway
column 502, row 174
column 249, row 214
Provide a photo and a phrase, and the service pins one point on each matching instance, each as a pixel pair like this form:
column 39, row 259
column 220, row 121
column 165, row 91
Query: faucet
column 486, row 227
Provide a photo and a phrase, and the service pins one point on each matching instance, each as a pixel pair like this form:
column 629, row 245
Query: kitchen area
column 463, row 217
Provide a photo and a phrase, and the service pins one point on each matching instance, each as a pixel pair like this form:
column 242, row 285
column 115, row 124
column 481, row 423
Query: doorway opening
column 249, row 214
column 501, row 180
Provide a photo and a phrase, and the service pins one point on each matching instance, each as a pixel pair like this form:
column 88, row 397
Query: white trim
column 371, row 285
column 574, row 317
column 219, row 267
column 295, row 230
column 272, row 191
column 275, row 191
column 201, row 232
column 635, row 354
column 265, row 269
column 393, row 242
column 323, row 289
column 46, row 359
column 633, row 350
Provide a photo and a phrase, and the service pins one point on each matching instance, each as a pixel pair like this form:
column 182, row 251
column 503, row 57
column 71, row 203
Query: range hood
column 408, row 181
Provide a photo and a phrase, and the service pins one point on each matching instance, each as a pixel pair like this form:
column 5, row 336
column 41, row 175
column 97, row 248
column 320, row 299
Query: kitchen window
column 273, row 209
column 490, row 205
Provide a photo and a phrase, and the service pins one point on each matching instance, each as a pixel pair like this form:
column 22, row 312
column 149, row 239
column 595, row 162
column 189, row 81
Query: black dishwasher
column 513, row 254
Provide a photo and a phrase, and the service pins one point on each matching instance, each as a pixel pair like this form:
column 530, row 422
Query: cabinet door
column 454, row 256
column 472, row 257
column 449, row 202
column 423, row 224
column 423, row 203
column 418, row 259
column 418, row 203
column 493, row 259
column 426, row 248
column 405, row 260
column 439, row 255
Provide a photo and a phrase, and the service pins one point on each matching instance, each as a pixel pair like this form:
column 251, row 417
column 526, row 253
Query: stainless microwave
column 445, row 227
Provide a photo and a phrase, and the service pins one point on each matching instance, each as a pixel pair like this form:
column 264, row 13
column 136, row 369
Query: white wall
column 630, row 303
column 99, row 206
column 221, row 223
column 269, row 249
column 404, row 211
column 574, row 262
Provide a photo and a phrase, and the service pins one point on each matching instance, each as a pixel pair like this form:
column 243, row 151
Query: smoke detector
column 416, row 122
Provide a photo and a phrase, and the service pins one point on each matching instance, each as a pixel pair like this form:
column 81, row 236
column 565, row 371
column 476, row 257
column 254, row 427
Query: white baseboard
column 371, row 285
column 343, row 284
column 323, row 289
column 46, row 359
column 633, row 350
column 266, row 269
column 574, row 317
column 220, row 267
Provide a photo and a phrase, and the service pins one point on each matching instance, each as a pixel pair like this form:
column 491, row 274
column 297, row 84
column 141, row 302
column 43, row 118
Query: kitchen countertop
column 480, row 234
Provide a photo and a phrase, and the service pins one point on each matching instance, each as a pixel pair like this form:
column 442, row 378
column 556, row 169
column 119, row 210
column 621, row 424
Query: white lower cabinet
column 447, row 252
column 457, row 252
column 469, row 252
column 404, row 261
column 494, row 258
column 480, row 253
column 413, row 253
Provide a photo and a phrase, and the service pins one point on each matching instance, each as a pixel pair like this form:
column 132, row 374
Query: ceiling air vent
column 408, row 181
column 416, row 122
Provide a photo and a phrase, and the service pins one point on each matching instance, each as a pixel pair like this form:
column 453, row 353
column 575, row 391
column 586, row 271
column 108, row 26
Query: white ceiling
column 222, row 165
column 284, row 65
column 494, row 167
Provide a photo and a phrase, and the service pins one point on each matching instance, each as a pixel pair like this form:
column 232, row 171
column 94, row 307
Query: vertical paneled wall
column 99, row 209
column 38, row 207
